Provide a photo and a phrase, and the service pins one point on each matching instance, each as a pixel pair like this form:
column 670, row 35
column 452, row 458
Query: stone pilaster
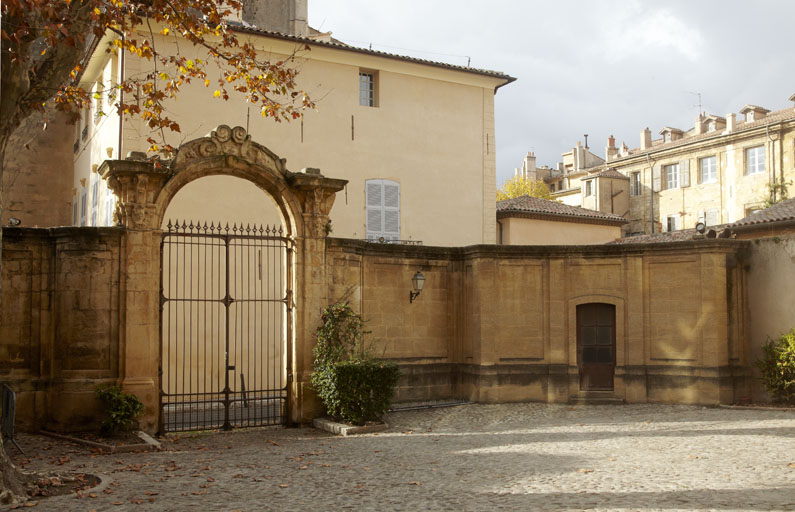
column 136, row 185
column 316, row 195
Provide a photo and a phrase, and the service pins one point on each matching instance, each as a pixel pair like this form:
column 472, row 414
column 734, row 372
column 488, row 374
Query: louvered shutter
column 375, row 213
column 382, row 210
column 656, row 178
column 684, row 173
column 391, row 210
column 712, row 217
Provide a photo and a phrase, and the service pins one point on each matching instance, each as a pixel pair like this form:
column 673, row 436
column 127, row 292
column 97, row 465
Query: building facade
column 717, row 172
column 399, row 129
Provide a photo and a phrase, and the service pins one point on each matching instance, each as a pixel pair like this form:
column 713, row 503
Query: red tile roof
column 785, row 114
column 544, row 207
column 239, row 27
column 780, row 212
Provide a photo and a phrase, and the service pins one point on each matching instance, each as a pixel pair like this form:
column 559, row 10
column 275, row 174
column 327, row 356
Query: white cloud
column 640, row 33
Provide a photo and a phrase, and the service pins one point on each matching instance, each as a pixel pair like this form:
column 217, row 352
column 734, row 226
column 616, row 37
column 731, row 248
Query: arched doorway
column 226, row 283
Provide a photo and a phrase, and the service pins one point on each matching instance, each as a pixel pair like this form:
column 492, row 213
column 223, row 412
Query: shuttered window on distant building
column 383, row 209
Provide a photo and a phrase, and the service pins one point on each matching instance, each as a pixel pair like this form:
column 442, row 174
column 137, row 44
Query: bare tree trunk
column 11, row 490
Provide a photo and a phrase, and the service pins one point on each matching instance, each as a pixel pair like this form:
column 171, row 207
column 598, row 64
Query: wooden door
column 596, row 346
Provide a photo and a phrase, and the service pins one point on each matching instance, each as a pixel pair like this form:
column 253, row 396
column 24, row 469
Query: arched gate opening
column 226, row 277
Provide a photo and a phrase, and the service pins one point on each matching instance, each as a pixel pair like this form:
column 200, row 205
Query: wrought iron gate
column 225, row 313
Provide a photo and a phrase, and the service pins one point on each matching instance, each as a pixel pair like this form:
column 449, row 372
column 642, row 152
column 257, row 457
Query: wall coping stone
column 715, row 245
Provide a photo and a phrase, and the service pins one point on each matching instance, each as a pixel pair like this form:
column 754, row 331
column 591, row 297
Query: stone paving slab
column 472, row 457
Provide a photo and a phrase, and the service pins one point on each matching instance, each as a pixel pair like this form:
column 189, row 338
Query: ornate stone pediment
column 226, row 141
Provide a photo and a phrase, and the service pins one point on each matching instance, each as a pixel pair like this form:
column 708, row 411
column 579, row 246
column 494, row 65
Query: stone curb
column 757, row 408
column 149, row 445
column 341, row 429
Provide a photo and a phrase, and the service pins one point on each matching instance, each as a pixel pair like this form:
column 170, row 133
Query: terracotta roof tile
column 342, row 46
column 609, row 173
column 527, row 204
column 785, row 114
column 666, row 236
column 783, row 211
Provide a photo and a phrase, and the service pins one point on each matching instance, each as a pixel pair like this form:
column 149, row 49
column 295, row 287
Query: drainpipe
column 772, row 160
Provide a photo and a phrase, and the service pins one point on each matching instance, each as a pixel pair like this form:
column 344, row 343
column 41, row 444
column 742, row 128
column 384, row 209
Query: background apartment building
column 717, row 172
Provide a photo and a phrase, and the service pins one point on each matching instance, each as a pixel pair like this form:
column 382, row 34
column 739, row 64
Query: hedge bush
column 121, row 409
column 778, row 367
column 357, row 391
column 354, row 385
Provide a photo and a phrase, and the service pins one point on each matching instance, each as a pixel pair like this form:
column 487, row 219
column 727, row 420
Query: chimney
column 699, row 124
column 283, row 16
column 731, row 122
column 792, row 98
column 645, row 139
column 611, row 151
column 529, row 166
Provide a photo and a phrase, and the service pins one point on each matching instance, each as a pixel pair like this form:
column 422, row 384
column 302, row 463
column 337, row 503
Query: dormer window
column 671, row 134
column 753, row 113
column 711, row 126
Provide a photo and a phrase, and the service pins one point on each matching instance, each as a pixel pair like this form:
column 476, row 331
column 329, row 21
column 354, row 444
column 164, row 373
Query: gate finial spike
column 227, row 227
column 169, row 224
column 184, row 225
column 281, row 232
column 248, row 230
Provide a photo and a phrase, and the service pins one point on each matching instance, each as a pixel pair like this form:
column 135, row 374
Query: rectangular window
column 74, row 211
column 671, row 176
column 589, row 188
column 673, row 223
column 367, row 89
column 634, row 184
column 382, row 210
column 708, row 168
column 755, row 160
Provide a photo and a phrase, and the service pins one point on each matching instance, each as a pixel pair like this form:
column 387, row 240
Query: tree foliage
column 778, row 367
column 520, row 186
column 353, row 385
column 44, row 45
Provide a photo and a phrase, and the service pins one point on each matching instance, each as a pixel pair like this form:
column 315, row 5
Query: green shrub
column 358, row 391
column 778, row 367
column 353, row 385
column 120, row 409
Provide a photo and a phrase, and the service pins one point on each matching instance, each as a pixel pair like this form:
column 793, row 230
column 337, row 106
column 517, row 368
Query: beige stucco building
column 534, row 221
column 416, row 128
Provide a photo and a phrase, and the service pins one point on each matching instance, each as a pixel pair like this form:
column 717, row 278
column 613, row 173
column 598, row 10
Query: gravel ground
column 470, row 457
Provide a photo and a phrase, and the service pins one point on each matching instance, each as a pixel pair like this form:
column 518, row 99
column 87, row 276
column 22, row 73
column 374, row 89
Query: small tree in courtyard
column 353, row 384
column 778, row 367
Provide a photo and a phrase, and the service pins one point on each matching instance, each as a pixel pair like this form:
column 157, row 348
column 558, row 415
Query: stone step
column 596, row 398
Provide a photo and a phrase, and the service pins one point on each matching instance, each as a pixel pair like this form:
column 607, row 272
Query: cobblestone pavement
column 472, row 457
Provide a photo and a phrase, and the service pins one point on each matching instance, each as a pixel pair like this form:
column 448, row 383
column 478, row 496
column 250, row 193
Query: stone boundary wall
column 498, row 323
column 771, row 297
column 60, row 322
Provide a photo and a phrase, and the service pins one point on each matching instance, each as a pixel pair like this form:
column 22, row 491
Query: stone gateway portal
column 225, row 308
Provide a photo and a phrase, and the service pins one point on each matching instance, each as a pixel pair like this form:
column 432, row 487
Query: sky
column 599, row 67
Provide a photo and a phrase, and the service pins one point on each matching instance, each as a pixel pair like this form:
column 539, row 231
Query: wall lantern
column 417, row 282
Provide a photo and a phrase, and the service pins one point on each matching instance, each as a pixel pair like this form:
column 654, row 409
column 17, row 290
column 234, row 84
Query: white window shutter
column 391, row 210
column 374, row 216
column 684, row 173
column 383, row 209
